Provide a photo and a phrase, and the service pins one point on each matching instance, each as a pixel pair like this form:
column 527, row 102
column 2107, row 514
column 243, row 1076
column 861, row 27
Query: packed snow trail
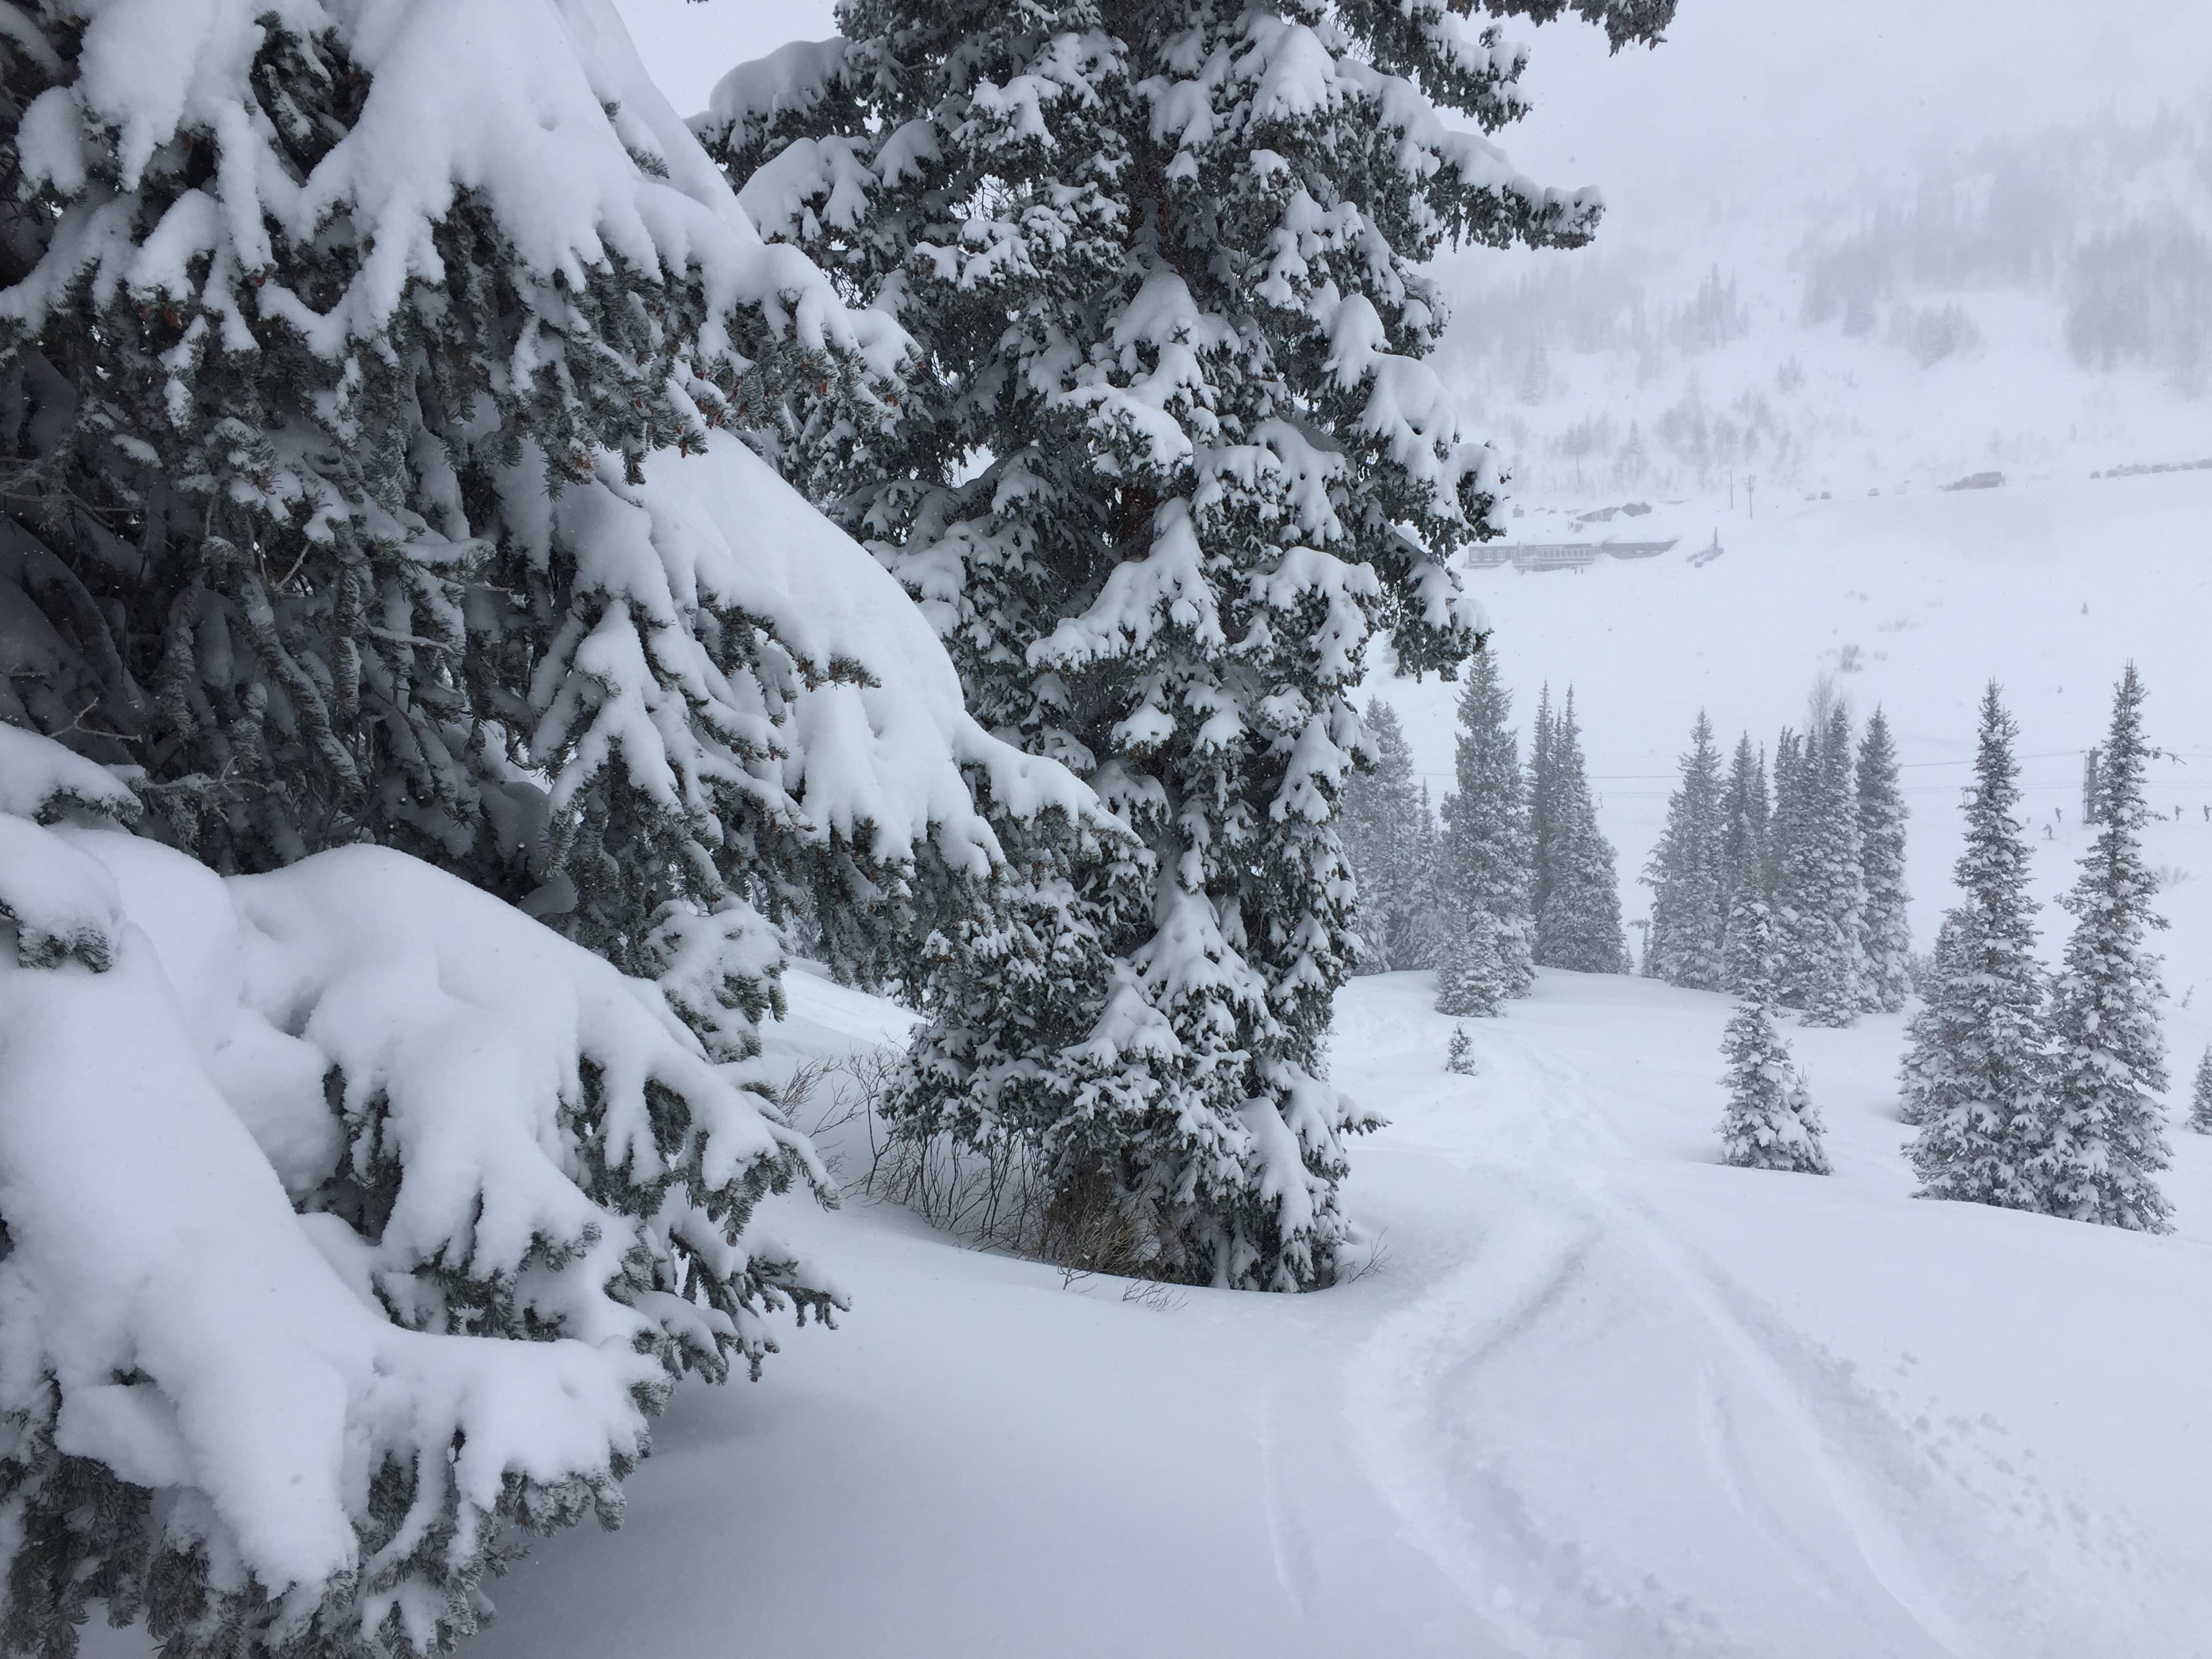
column 1604, row 1398
column 1683, row 1465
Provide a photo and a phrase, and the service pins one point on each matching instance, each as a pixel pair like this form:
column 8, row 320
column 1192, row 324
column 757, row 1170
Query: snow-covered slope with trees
column 1602, row 1389
column 1910, row 604
column 2032, row 302
column 452, row 718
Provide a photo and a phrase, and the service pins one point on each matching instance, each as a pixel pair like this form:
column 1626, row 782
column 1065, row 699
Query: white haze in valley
column 1943, row 235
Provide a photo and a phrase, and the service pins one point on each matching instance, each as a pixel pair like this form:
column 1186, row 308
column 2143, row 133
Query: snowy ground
column 1603, row 1398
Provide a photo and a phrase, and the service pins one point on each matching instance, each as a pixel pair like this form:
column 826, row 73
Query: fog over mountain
column 1847, row 250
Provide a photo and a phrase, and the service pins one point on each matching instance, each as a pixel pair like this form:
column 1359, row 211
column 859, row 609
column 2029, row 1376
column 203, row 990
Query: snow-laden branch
column 347, row 1217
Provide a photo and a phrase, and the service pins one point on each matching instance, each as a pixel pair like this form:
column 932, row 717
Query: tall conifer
column 2200, row 1096
column 1973, row 1075
column 1818, row 895
column 1169, row 460
column 1578, row 921
column 1391, row 842
column 1744, row 838
column 1885, row 934
column 1686, row 873
column 2098, row 1138
column 1483, row 866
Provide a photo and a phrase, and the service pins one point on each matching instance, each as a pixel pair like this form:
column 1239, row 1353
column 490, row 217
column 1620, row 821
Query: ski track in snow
column 1558, row 1204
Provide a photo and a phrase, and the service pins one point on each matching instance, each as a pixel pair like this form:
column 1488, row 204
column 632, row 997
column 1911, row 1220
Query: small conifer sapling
column 1771, row 1122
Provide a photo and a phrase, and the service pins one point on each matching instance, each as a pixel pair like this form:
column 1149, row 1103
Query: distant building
column 1561, row 556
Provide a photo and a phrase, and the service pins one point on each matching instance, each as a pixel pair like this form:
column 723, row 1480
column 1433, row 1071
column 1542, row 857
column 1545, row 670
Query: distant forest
column 2086, row 248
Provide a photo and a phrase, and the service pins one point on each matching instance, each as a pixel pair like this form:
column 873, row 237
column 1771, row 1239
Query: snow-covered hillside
column 2033, row 301
column 1913, row 603
column 1604, row 1396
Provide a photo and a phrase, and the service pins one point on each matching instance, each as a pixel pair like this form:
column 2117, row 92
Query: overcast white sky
column 1746, row 95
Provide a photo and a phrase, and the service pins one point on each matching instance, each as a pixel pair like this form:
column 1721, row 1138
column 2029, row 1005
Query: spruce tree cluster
column 1825, row 856
column 2030, row 1092
column 1575, row 891
column 1483, row 870
column 1169, row 459
column 2200, row 1096
column 1819, row 892
column 1390, row 840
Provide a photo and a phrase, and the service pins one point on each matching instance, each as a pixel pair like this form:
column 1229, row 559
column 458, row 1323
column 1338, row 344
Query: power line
column 1673, row 777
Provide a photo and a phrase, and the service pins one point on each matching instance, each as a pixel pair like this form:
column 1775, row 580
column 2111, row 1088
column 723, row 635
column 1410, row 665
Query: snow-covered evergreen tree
column 1770, row 1122
column 1578, row 917
column 1170, row 459
column 1483, row 866
column 1687, row 942
column 1391, row 842
column 1974, row 1068
column 1744, row 839
column 2200, row 1096
column 1745, row 809
column 374, row 478
column 1786, row 828
column 2097, row 1137
column 1543, row 798
column 1459, row 1053
column 1920, row 1033
column 350, row 1220
column 1819, row 896
column 1885, row 931
column 371, row 385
